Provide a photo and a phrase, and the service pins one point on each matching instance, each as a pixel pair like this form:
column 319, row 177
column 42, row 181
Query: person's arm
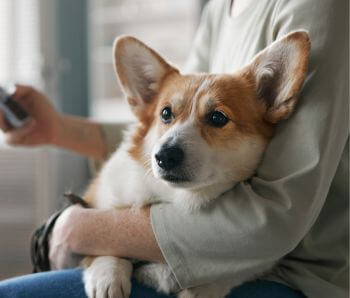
column 82, row 136
column 111, row 232
column 50, row 127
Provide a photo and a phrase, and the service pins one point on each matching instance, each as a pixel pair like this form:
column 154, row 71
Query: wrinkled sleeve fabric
column 258, row 222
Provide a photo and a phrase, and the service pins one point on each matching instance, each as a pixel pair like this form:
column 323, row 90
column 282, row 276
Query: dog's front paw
column 108, row 277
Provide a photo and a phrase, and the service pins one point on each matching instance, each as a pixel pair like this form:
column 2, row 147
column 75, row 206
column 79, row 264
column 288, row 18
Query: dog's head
column 203, row 129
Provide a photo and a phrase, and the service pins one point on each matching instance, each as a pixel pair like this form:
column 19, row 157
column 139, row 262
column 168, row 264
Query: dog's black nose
column 169, row 158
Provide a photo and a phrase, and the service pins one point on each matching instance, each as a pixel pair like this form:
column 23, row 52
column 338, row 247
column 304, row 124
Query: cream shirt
column 295, row 210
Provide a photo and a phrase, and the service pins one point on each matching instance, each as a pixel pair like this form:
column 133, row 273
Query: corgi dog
column 196, row 136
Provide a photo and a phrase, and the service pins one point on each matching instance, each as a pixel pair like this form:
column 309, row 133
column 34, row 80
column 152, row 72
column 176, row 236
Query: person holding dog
column 294, row 212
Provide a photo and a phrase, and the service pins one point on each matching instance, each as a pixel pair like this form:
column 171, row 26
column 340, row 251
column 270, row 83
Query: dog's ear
column 140, row 70
column 278, row 73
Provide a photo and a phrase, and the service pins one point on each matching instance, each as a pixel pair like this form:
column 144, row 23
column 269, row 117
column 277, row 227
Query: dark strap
column 39, row 248
column 74, row 199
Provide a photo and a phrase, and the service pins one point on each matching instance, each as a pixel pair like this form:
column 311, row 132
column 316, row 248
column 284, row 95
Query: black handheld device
column 15, row 115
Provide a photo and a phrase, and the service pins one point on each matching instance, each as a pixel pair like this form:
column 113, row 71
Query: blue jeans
column 68, row 284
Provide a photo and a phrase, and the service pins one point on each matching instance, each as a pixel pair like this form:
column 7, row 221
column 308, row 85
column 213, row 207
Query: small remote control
column 15, row 115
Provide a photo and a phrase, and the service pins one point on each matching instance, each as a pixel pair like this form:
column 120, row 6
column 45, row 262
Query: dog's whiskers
column 148, row 166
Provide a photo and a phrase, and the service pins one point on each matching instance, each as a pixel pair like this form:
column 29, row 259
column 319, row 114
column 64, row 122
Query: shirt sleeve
column 258, row 222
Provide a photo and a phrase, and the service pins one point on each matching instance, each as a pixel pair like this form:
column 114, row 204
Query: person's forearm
column 123, row 233
column 80, row 135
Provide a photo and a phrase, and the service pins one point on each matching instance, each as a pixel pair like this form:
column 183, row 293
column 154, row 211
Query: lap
column 63, row 283
column 68, row 283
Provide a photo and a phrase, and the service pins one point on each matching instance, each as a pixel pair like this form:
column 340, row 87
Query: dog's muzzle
column 171, row 164
column 169, row 158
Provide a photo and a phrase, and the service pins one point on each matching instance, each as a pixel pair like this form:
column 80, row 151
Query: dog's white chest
column 124, row 183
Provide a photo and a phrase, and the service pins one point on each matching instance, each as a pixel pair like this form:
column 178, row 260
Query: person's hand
column 61, row 252
column 44, row 123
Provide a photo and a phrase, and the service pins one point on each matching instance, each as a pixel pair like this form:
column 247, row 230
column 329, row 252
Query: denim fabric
column 68, row 284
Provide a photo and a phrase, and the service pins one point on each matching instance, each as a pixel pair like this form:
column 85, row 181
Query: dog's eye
column 166, row 115
column 217, row 119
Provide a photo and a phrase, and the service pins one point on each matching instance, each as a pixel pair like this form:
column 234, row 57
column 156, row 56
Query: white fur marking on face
column 204, row 86
column 205, row 98
column 176, row 100
column 207, row 103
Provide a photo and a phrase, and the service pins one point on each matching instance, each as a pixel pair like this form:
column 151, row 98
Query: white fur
column 108, row 277
column 158, row 276
column 177, row 100
column 204, row 86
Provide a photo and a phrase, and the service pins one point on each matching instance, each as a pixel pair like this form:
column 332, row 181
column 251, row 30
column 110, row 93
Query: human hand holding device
column 47, row 126
column 14, row 113
column 28, row 118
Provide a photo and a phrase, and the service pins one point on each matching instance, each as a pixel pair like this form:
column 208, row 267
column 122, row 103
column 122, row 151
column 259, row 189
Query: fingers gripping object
column 14, row 113
column 39, row 247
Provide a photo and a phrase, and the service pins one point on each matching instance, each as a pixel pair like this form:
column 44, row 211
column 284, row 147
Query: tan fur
column 87, row 261
column 90, row 193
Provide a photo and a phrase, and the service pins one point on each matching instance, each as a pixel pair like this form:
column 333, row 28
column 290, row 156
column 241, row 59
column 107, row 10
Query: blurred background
column 64, row 48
